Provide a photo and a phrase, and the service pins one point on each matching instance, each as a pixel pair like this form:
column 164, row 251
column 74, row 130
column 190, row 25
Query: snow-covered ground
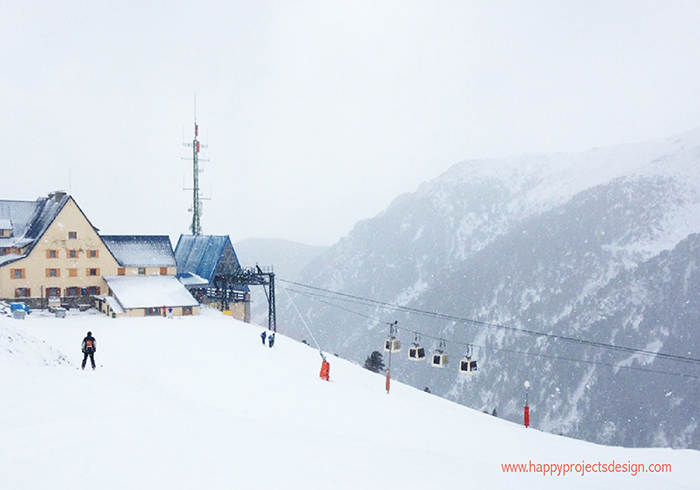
column 199, row 403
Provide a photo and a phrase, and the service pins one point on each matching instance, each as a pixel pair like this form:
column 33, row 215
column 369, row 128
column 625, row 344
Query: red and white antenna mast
column 197, row 198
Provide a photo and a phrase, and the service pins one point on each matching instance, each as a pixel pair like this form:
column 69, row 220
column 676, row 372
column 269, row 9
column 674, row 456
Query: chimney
column 58, row 195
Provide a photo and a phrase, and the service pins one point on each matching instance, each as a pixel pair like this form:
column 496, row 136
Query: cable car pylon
column 391, row 344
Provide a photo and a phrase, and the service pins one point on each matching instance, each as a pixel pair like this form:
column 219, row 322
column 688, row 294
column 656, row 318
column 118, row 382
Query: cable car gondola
column 439, row 357
column 416, row 352
column 392, row 345
column 468, row 365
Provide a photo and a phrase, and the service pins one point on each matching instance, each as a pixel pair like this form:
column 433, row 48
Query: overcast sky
column 317, row 114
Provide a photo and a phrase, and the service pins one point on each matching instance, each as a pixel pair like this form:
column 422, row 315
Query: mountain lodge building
column 51, row 255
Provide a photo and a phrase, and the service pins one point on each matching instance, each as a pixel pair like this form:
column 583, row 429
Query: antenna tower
column 197, row 198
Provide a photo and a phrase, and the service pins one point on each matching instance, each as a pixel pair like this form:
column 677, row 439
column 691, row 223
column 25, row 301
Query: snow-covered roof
column 149, row 291
column 189, row 279
column 29, row 220
column 114, row 305
column 141, row 250
column 5, row 224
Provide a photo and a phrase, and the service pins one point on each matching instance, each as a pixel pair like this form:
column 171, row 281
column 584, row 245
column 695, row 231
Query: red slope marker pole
column 526, row 413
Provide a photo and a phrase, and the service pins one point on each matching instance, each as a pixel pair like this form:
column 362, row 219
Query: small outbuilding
column 148, row 296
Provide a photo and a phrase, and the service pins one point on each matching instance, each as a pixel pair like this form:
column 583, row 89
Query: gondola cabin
column 392, row 345
column 467, row 366
column 416, row 353
column 438, row 360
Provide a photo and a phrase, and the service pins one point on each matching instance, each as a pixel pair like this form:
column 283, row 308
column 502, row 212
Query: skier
column 262, row 336
column 89, row 348
column 271, row 340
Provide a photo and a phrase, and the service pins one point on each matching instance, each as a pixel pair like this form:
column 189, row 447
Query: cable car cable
column 512, row 329
column 314, row 297
column 304, row 322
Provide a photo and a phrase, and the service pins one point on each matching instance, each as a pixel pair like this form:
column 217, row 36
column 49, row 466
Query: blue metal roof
column 206, row 256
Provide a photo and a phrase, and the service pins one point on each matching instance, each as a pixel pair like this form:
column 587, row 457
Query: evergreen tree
column 375, row 362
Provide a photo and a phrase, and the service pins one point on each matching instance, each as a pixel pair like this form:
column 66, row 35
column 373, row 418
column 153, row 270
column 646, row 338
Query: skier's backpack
column 89, row 346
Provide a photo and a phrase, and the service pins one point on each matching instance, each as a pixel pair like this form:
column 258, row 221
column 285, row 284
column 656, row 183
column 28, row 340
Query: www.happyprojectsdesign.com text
column 583, row 468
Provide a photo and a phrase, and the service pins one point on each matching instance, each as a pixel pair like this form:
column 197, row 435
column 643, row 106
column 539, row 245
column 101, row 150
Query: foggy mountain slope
column 655, row 306
column 534, row 242
column 288, row 258
column 523, row 282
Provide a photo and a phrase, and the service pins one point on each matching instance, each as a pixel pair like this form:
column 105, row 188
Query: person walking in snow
column 89, row 348
column 262, row 336
column 271, row 340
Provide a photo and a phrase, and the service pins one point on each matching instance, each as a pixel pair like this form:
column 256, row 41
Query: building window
column 186, row 310
column 152, row 311
column 53, row 292
column 163, row 271
column 52, row 254
column 93, row 254
column 72, row 235
column 17, row 273
column 121, row 271
column 73, row 254
column 73, row 292
column 22, row 293
column 72, row 272
column 53, row 272
column 142, row 271
column 93, row 290
column 93, row 272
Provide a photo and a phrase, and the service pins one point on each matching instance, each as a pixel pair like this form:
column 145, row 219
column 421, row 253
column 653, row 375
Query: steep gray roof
column 30, row 220
column 141, row 250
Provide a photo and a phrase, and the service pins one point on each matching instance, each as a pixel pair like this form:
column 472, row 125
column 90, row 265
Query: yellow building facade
column 68, row 260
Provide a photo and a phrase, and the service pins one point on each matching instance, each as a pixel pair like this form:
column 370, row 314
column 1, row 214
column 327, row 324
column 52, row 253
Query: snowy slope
column 198, row 402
